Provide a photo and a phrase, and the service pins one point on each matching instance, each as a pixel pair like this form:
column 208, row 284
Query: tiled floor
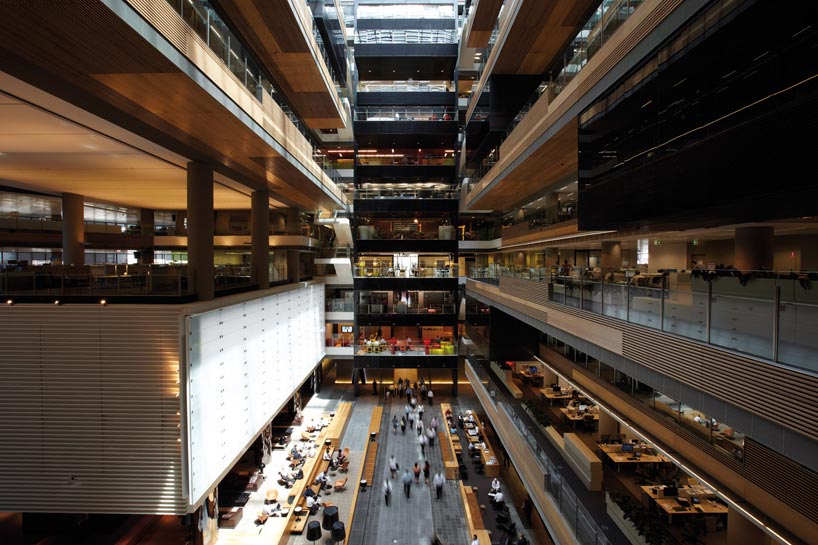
column 413, row 520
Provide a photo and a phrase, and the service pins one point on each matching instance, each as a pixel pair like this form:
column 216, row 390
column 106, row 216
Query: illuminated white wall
column 243, row 363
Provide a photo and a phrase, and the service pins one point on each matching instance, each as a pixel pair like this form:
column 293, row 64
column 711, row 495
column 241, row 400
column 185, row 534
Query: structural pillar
column 179, row 218
column 552, row 204
column 146, row 229
column 754, row 248
column 260, row 237
column 611, row 255
column 293, row 260
column 73, row 229
column 200, row 229
column 454, row 382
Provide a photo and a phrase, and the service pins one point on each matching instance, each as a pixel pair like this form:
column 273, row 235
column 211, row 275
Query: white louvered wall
column 88, row 409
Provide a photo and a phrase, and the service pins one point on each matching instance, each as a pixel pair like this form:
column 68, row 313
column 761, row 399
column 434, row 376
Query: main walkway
column 413, row 520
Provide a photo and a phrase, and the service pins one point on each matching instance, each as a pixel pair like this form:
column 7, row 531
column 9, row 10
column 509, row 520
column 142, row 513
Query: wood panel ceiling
column 273, row 30
column 541, row 30
column 549, row 164
column 85, row 54
column 483, row 21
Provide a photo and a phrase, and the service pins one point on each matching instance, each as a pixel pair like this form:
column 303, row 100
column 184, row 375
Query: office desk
column 532, row 378
column 614, row 452
column 671, row 508
column 575, row 416
column 551, row 395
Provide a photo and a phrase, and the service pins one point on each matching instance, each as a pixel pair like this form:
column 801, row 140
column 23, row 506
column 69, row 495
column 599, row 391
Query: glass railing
column 389, row 193
column 417, row 272
column 405, row 347
column 205, row 21
column 584, row 525
column 405, row 309
column 370, row 86
column 398, row 159
column 339, row 305
column 102, row 280
column 406, row 36
column 393, row 113
column 342, row 340
column 761, row 313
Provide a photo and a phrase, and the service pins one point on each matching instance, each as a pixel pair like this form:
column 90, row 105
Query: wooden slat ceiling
column 541, row 30
column 83, row 53
column 272, row 30
column 485, row 16
column 550, row 163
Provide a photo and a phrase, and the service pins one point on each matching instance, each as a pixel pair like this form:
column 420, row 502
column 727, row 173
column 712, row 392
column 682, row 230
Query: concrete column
column 200, row 229
column 611, row 255
column 260, row 237
column 552, row 201
column 180, row 230
column 73, row 229
column 293, row 222
column 754, row 248
column 293, row 266
column 146, row 228
column 454, row 382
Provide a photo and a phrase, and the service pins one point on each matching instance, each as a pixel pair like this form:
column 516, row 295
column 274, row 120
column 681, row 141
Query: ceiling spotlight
column 56, row 301
column 415, row 220
column 9, row 302
column 103, row 302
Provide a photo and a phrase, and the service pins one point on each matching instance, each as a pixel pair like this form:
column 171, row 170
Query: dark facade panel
column 408, row 98
column 407, row 319
column 406, row 127
column 388, row 361
column 413, row 246
column 363, row 206
column 371, row 172
column 381, row 283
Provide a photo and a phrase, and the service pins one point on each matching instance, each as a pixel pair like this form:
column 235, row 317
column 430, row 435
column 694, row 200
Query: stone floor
column 413, row 520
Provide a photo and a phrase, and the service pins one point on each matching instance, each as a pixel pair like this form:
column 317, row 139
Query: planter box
column 618, row 517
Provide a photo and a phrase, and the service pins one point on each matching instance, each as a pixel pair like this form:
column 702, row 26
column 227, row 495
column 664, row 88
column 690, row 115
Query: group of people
column 417, row 391
column 407, row 477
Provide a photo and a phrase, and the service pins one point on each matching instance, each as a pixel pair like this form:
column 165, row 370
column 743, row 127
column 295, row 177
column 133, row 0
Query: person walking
column 420, row 427
column 407, row 482
column 440, row 480
column 411, row 420
column 409, row 395
column 528, row 507
column 430, row 396
column 393, row 466
column 387, row 491
column 434, row 424
column 395, row 424
column 420, row 411
column 403, row 425
column 422, row 443
column 430, row 436
column 427, row 472
column 416, row 470
column 400, row 386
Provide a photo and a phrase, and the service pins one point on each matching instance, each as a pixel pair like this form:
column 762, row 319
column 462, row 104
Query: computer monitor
column 556, row 389
column 670, row 491
column 583, row 407
column 684, row 502
column 627, row 447
column 533, row 369
column 635, row 441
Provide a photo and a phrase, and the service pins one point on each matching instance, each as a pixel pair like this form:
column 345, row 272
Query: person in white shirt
column 439, row 481
column 498, row 497
column 312, row 505
column 474, row 540
column 430, row 396
column 495, row 485
column 393, row 466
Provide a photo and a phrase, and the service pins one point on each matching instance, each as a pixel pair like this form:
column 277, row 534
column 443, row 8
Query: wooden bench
column 474, row 515
column 372, row 446
column 450, row 465
column 297, row 526
column 336, row 428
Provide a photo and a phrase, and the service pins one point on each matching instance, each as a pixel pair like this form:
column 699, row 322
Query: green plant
column 649, row 525
column 535, row 408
